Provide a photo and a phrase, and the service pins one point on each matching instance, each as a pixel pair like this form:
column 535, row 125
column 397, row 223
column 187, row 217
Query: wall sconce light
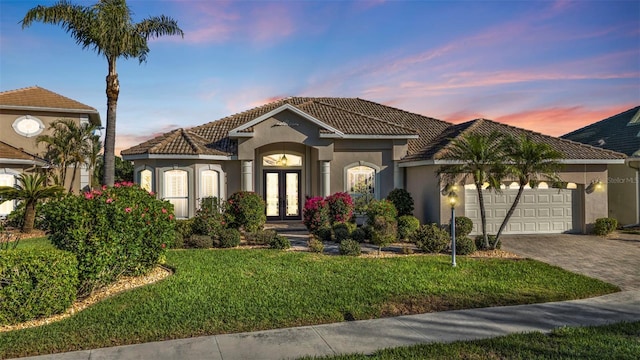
column 595, row 185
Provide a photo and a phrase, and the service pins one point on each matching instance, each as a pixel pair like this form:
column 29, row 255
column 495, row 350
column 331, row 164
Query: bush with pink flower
column 315, row 214
column 121, row 230
column 340, row 207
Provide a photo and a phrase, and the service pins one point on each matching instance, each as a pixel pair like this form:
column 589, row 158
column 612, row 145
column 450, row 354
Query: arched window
column 361, row 179
column 146, row 180
column 176, row 191
column 7, row 180
column 209, row 184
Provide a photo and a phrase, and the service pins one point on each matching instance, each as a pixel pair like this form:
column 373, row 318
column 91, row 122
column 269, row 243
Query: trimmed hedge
column 36, row 283
column 402, row 201
column 465, row 245
column 605, row 226
column 349, row 247
column 229, row 238
column 245, row 210
column 431, row 238
column 407, row 225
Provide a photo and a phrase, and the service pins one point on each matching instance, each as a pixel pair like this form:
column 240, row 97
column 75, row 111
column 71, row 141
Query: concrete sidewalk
column 368, row 336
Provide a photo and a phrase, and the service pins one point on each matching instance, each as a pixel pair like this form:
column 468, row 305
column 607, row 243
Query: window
column 7, row 207
column 209, row 184
column 146, row 180
column 282, row 159
column 176, row 191
column 361, row 180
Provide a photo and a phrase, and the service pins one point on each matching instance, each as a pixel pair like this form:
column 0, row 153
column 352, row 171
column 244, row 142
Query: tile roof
column 355, row 116
column 438, row 149
column 40, row 98
column 620, row 133
column 176, row 142
column 11, row 152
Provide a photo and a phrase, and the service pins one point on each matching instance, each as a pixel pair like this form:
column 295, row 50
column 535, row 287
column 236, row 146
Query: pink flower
column 117, row 185
column 164, row 246
column 109, row 200
column 127, row 210
column 164, row 211
column 151, row 193
column 104, row 187
column 142, row 215
column 170, row 216
column 88, row 195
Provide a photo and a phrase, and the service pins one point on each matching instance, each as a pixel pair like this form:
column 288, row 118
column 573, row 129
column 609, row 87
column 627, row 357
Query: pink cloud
column 558, row 121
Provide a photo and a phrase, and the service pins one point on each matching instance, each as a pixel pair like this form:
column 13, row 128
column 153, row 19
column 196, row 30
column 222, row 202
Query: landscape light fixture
column 453, row 200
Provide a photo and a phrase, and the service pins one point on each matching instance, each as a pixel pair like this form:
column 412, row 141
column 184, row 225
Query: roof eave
column 94, row 115
column 414, row 163
column 176, row 157
column 22, row 161
column 358, row 136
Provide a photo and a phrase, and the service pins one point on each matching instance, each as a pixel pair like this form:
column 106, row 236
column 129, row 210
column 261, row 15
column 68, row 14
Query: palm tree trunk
column 113, row 90
column 516, row 201
column 29, row 217
column 73, row 178
column 483, row 215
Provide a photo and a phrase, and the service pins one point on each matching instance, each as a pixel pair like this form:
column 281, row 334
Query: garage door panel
column 539, row 210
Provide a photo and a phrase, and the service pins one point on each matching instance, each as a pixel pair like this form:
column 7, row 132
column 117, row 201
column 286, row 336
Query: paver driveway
column 615, row 259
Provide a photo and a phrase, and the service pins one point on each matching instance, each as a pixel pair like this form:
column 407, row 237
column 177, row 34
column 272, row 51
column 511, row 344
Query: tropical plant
column 31, row 189
column 70, row 145
column 108, row 29
column 245, row 209
column 479, row 157
column 123, row 171
column 529, row 162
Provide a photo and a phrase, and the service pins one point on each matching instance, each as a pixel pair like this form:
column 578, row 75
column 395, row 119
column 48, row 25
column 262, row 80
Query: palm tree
column 479, row 157
column 70, row 145
column 107, row 28
column 31, row 189
column 529, row 162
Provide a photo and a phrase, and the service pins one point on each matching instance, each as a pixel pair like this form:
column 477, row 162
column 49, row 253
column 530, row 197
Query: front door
column 282, row 194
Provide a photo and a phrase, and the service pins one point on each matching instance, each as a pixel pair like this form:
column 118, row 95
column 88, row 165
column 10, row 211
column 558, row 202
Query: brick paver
column 614, row 259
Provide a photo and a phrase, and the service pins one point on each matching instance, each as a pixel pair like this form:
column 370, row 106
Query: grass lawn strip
column 228, row 291
column 617, row 341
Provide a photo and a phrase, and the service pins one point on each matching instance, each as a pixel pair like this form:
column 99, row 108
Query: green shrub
column 349, row 247
column 431, row 238
column 246, row 210
column 341, row 231
column 384, row 232
column 196, row 241
column 315, row 214
column 229, row 238
column 402, row 201
column 183, row 230
column 340, row 207
column 479, row 241
column 359, row 235
column 407, row 225
column 15, row 218
column 315, row 245
column 280, row 242
column 384, row 208
column 260, row 237
column 115, row 231
column 209, row 219
column 36, row 283
column 464, row 226
column 323, row 233
column 605, row 226
column 465, row 245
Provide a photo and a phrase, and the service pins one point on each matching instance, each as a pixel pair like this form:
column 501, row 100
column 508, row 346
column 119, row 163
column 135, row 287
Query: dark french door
column 282, row 194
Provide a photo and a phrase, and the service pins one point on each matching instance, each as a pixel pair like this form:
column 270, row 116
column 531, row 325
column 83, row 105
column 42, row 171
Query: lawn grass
column 617, row 341
column 224, row 291
column 33, row 243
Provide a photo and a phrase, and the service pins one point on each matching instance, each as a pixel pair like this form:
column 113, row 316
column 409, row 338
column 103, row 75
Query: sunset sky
column 548, row 66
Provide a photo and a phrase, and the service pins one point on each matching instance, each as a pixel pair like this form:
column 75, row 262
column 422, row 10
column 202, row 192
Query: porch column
column 398, row 176
column 247, row 175
column 325, row 177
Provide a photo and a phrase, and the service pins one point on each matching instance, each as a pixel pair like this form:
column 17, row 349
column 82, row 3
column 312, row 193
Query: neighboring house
column 25, row 114
column 619, row 133
column 298, row 147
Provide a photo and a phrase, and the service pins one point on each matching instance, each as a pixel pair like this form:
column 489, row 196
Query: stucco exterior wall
column 622, row 185
column 422, row 183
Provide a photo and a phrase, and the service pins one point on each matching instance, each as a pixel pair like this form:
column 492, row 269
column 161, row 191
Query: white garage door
column 539, row 211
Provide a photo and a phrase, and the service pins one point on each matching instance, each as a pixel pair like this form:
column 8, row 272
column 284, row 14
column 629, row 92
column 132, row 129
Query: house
column 619, row 133
column 297, row 147
column 25, row 114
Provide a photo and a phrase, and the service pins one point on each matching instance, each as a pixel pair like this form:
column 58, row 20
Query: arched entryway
column 282, row 183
